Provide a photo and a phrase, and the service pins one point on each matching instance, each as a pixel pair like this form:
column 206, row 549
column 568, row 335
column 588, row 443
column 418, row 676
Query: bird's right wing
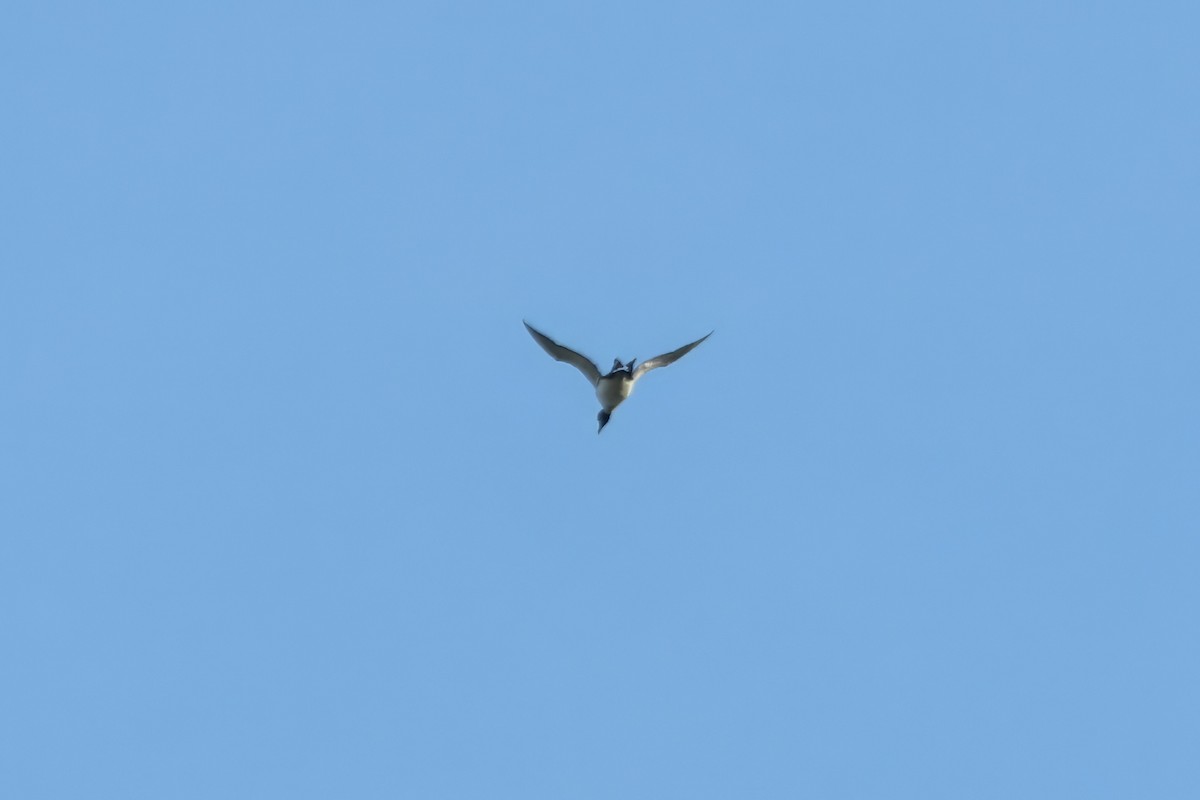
column 560, row 353
column 667, row 358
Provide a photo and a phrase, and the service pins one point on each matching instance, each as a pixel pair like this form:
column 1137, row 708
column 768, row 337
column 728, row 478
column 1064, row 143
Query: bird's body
column 615, row 387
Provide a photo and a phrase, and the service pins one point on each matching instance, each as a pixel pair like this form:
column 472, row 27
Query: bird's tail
column 603, row 417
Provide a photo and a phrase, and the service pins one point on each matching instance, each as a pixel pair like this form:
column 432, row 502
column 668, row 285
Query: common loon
column 613, row 388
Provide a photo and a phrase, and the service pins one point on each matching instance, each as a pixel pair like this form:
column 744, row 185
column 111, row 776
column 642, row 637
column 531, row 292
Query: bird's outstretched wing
column 560, row 353
column 667, row 358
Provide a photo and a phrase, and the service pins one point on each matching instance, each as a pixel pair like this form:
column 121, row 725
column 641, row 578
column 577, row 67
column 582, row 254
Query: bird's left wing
column 560, row 353
column 667, row 358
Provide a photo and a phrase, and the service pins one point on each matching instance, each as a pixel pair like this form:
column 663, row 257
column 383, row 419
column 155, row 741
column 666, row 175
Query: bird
column 611, row 389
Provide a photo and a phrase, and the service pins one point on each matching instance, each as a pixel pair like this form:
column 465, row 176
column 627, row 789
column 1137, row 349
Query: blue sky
column 294, row 507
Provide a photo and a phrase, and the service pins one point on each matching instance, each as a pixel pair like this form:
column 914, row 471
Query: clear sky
column 292, row 506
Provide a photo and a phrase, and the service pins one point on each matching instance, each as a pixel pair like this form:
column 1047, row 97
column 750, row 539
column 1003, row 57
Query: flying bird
column 613, row 388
